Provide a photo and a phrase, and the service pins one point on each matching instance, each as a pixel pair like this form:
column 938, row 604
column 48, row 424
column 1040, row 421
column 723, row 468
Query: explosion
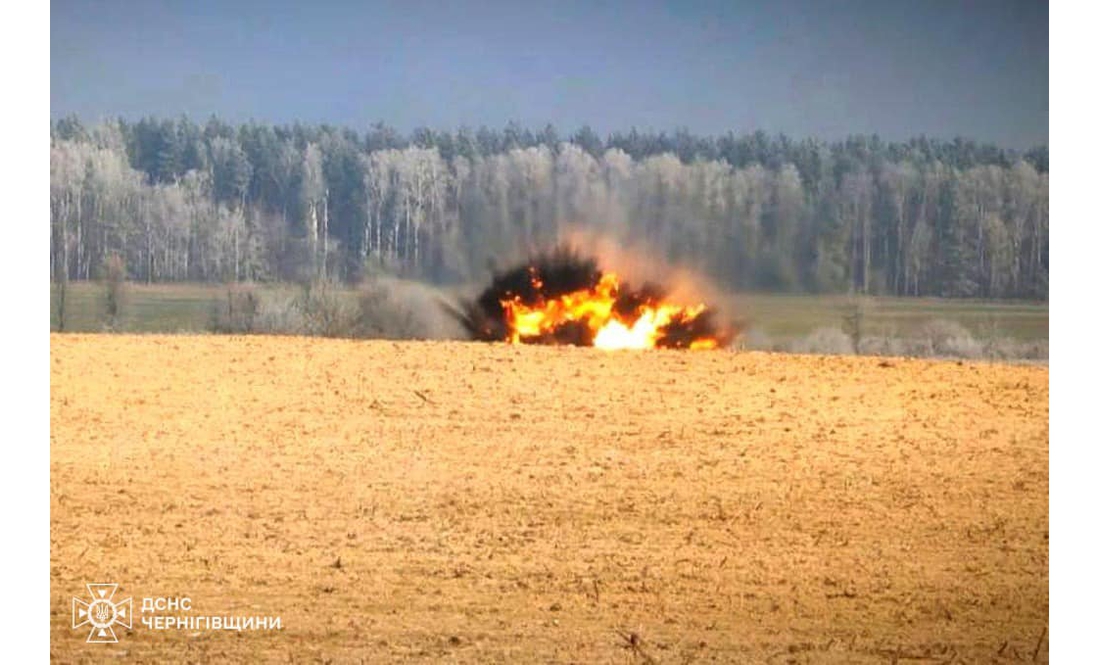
column 562, row 298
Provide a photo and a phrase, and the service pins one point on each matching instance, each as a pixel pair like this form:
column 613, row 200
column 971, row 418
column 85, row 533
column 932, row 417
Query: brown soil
column 485, row 503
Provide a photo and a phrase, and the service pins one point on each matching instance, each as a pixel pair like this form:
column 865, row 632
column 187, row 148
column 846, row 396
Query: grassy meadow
column 770, row 321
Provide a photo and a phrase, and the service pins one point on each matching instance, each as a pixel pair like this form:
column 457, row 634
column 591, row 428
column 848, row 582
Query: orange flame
column 595, row 308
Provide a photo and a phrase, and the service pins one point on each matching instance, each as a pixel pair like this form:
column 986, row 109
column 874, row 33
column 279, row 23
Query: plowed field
column 481, row 503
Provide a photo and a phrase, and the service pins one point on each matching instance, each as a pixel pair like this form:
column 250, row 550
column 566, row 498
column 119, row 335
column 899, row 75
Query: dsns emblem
column 102, row 613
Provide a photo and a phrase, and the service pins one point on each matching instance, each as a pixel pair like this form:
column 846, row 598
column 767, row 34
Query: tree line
column 175, row 200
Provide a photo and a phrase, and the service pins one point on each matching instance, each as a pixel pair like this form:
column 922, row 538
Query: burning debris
column 561, row 297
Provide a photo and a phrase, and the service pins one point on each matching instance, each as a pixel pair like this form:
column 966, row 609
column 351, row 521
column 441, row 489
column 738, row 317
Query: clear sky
column 823, row 68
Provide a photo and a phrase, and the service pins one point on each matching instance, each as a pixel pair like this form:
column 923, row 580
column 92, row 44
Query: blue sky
column 808, row 68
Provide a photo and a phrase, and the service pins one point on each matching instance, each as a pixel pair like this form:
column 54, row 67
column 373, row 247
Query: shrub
column 60, row 294
column 889, row 345
column 325, row 311
column 951, row 339
column 114, row 283
column 830, row 341
column 239, row 311
column 278, row 314
column 853, row 324
column 1011, row 349
column 397, row 309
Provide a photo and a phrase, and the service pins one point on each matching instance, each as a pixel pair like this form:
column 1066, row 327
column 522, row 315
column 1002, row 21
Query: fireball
column 600, row 310
column 560, row 298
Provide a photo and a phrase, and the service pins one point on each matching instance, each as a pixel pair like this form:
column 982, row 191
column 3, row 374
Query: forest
column 173, row 200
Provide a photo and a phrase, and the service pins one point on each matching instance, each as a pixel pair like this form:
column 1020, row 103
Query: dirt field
column 479, row 503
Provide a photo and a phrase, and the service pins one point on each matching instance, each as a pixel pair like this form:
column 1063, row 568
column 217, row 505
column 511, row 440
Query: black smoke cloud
column 549, row 275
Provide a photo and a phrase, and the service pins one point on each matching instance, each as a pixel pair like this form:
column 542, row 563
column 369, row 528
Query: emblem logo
column 102, row 613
